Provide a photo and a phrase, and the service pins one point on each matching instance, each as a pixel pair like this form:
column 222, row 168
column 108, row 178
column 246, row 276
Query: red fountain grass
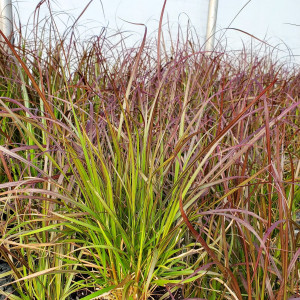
column 131, row 172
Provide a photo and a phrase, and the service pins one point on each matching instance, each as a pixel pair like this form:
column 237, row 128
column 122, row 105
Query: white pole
column 211, row 25
column 6, row 19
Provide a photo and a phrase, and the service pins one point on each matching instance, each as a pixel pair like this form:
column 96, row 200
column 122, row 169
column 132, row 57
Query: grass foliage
column 124, row 169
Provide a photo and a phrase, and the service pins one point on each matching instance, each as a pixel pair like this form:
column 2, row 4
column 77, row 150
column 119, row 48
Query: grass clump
column 128, row 169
